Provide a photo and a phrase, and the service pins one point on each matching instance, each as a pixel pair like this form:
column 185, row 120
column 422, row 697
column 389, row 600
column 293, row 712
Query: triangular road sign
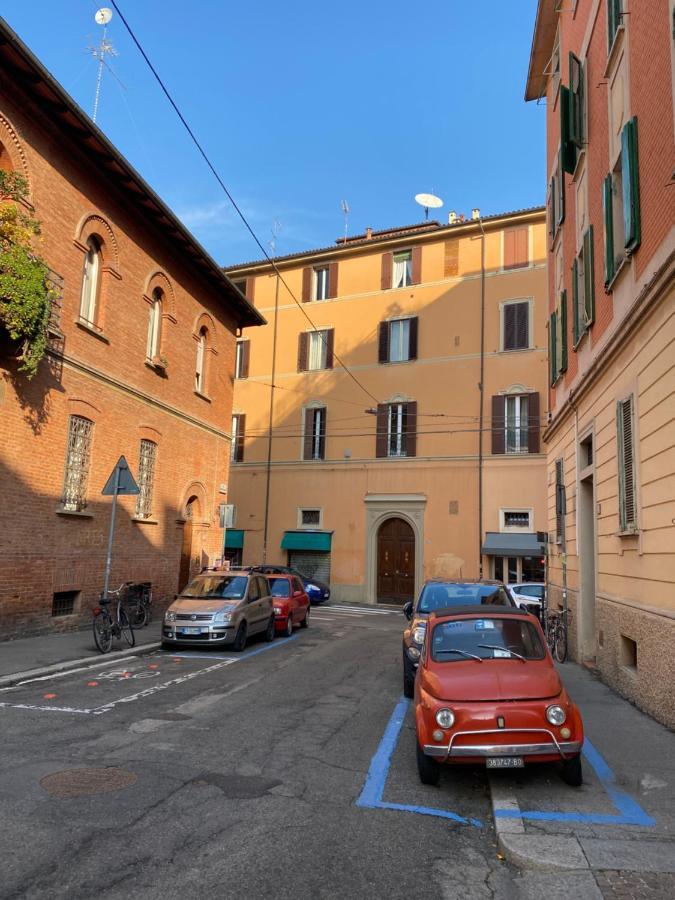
column 125, row 481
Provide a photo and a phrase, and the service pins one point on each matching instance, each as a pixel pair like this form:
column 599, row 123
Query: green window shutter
column 553, row 368
column 631, row 184
column 626, row 460
column 589, row 278
column 568, row 151
column 609, row 228
column 614, row 10
column 560, row 184
column 563, row 331
column 551, row 208
column 575, row 302
column 576, row 119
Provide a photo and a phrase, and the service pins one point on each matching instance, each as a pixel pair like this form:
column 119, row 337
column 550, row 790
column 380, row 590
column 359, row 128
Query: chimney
column 369, row 233
column 475, row 213
column 452, row 217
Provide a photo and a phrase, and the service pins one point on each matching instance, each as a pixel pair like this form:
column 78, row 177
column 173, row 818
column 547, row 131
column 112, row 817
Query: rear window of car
column 280, row 587
column 206, row 587
column 530, row 590
column 438, row 596
column 486, row 639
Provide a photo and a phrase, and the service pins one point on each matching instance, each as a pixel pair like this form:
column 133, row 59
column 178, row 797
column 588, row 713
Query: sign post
column 121, row 482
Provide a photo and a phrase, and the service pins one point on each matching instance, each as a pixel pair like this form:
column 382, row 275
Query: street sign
column 121, row 481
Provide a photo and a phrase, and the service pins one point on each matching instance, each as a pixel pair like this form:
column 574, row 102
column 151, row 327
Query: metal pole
column 268, row 474
column 481, row 388
column 108, row 561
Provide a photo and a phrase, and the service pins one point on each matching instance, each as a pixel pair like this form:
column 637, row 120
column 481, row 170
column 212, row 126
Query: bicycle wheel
column 140, row 617
column 126, row 630
column 103, row 635
column 560, row 642
column 550, row 635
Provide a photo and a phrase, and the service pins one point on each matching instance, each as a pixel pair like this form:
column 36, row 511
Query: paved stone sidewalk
column 617, row 885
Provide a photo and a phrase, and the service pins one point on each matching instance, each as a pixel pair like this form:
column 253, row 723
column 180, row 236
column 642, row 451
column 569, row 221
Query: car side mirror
column 408, row 610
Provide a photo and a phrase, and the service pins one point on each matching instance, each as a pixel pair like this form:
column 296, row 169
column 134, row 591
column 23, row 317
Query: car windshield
column 438, row 596
column 280, row 587
column 206, row 587
column 515, row 639
column 531, row 590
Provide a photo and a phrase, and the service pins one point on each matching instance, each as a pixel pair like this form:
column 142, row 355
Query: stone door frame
column 379, row 508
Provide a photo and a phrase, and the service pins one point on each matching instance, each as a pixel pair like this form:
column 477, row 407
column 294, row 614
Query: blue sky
column 305, row 103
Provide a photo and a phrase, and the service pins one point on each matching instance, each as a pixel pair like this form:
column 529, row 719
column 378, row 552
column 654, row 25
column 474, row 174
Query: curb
column 548, row 853
column 84, row 662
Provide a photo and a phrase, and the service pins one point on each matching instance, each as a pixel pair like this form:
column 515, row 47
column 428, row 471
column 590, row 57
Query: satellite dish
column 428, row 201
column 103, row 15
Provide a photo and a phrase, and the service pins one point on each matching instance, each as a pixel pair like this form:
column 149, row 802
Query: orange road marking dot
column 176, row 659
column 92, row 684
column 49, row 696
column 153, row 666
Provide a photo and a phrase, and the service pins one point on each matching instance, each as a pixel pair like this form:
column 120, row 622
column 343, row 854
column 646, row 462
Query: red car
column 487, row 690
column 291, row 603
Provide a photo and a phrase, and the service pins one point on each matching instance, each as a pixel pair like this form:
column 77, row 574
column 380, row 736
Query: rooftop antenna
column 428, row 201
column 105, row 48
column 345, row 209
column 275, row 229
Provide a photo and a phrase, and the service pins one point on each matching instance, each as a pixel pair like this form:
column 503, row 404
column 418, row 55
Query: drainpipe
column 268, row 473
column 481, row 390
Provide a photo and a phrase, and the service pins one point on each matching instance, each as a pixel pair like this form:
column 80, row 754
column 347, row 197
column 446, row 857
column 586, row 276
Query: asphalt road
column 243, row 775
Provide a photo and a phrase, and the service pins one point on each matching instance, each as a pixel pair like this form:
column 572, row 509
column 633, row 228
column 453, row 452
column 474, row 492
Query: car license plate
column 190, row 630
column 504, row 762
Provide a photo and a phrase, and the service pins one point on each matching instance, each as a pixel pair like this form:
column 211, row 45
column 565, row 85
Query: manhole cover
column 86, row 782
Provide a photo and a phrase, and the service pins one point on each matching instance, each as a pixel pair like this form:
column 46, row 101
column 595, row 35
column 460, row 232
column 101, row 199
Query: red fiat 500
column 291, row 603
column 487, row 690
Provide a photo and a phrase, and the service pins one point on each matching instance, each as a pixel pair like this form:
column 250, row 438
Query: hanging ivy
column 25, row 296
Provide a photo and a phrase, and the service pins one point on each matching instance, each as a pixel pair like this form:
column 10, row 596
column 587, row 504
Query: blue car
column 317, row 591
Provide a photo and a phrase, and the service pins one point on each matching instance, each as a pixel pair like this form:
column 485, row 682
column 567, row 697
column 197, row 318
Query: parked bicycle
column 557, row 624
column 106, row 627
column 138, row 603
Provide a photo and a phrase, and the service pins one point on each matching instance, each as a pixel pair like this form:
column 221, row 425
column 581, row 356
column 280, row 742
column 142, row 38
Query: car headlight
column 222, row 617
column 312, row 587
column 556, row 715
column 413, row 653
column 445, row 718
column 169, row 616
column 418, row 634
column 277, row 610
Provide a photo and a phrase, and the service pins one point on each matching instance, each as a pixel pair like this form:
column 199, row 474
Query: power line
column 229, row 196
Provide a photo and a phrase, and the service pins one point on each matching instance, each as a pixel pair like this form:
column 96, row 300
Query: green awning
column 307, row 540
column 234, row 539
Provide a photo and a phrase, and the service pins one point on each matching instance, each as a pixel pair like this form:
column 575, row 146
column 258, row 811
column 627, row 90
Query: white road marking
column 97, row 665
column 69, row 709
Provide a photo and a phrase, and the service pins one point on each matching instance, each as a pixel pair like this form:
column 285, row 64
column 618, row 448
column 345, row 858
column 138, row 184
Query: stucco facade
column 611, row 440
column 356, row 479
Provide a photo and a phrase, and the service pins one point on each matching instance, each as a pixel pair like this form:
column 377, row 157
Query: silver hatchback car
column 218, row 608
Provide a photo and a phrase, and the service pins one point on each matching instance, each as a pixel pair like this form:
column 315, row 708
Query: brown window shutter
column 522, row 325
column 533, row 419
column 332, row 280
column 522, row 248
column 307, row 273
column 302, row 351
column 309, row 431
column 250, row 288
column 498, row 424
column 381, row 430
column 416, row 265
column 510, row 326
column 241, row 433
column 322, row 434
column 387, row 271
column 515, row 248
column 509, row 248
column 330, row 340
column 245, row 355
column 451, row 262
column 412, row 338
column 383, row 343
column 411, row 428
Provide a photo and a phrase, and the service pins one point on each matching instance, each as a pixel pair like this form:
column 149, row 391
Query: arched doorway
column 185, row 571
column 395, row 562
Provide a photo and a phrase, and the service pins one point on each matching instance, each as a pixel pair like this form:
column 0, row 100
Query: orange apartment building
column 606, row 72
column 140, row 363
column 375, row 486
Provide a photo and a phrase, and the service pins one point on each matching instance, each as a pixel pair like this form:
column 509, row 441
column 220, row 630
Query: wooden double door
column 395, row 562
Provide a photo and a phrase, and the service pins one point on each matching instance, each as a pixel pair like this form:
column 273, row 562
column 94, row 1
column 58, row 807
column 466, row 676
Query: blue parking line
column 187, row 655
column 373, row 789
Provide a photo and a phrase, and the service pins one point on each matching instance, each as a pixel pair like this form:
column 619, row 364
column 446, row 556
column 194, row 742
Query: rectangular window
column 78, row 453
column 321, row 282
column 314, row 446
column 516, row 250
column 556, row 198
column 583, row 288
column 63, row 603
column 560, row 500
column 317, row 350
column 516, row 423
column 614, row 20
column 238, row 434
column 241, row 359
column 309, row 518
column 577, row 102
column 403, row 274
column 552, row 347
column 398, row 340
column 621, row 204
column 626, row 456
column 516, row 326
column 396, row 430
column 516, row 518
column 146, row 478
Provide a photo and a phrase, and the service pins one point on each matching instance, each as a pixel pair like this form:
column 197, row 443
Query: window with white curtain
column 201, row 362
column 90, row 281
column 154, row 324
column 396, row 443
column 516, row 423
column 321, row 283
column 402, row 268
column 316, row 358
column 399, row 340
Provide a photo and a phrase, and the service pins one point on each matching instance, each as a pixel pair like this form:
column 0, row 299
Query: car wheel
column 429, row 769
column 269, row 633
column 572, row 773
column 305, row 621
column 408, row 684
column 240, row 638
column 166, row 646
column 289, row 626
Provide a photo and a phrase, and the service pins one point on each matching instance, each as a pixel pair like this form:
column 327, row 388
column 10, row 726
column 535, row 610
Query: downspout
column 481, row 390
column 268, row 473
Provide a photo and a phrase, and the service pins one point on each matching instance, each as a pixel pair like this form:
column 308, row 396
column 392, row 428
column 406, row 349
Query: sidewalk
column 48, row 653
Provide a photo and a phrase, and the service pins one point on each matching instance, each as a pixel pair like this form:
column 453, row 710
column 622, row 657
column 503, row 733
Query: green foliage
column 25, row 295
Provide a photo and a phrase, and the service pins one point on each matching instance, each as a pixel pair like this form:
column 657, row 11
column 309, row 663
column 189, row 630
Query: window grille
column 63, row 603
column 310, row 517
column 516, row 519
column 77, row 463
column 146, row 479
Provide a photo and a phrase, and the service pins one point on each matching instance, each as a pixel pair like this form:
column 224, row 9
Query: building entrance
column 395, row 562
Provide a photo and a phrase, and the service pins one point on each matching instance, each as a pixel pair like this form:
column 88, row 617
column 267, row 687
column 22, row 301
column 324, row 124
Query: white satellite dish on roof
column 103, row 15
column 428, row 201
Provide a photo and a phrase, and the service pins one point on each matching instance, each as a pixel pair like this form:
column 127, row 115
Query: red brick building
column 140, row 363
column 606, row 70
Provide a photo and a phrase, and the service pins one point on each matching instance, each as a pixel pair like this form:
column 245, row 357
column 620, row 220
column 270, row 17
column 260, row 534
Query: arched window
column 155, row 325
column 200, row 368
column 5, row 161
column 90, row 280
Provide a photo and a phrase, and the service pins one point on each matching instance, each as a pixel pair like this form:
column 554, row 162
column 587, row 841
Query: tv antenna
column 104, row 49
column 275, row 229
column 428, row 201
column 345, row 209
